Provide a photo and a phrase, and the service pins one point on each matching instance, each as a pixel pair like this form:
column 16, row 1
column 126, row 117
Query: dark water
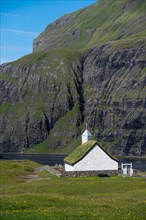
column 49, row 159
column 45, row 159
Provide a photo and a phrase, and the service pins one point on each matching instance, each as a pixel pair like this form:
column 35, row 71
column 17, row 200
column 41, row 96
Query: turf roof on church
column 79, row 152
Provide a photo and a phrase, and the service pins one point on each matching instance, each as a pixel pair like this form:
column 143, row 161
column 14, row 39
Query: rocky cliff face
column 34, row 95
column 51, row 98
column 115, row 87
column 47, row 97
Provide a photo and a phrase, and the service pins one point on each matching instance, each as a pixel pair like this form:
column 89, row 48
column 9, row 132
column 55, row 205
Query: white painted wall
column 96, row 159
column 68, row 167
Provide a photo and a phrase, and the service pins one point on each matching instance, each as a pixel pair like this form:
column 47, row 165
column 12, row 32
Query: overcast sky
column 22, row 21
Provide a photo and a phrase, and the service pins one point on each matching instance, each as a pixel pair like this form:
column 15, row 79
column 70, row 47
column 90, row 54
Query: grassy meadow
column 53, row 198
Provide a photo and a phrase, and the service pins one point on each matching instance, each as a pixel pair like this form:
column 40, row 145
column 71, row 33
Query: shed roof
column 82, row 150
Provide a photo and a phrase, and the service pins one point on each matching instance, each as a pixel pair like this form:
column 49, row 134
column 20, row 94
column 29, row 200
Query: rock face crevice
column 78, row 81
column 47, row 123
column 70, row 98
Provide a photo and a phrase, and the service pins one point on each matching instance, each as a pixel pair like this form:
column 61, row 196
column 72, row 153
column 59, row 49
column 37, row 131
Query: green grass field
column 68, row 198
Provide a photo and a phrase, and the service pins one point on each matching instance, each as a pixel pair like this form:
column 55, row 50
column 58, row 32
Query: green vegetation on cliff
column 95, row 25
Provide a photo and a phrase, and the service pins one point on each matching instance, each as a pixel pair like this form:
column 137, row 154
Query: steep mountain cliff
column 88, row 66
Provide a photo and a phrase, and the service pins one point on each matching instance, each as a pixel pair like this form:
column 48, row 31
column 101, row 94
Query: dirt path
column 30, row 178
column 35, row 175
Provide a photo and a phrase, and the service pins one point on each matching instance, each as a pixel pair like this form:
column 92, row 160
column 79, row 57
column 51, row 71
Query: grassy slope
column 98, row 24
column 120, row 24
column 69, row 198
column 50, row 56
column 43, row 148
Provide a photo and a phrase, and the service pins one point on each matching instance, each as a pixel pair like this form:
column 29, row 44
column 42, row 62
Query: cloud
column 21, row 32
column 10, row 15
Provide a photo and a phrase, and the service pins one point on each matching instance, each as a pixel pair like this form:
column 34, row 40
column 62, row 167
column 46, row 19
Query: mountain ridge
column 103, row 23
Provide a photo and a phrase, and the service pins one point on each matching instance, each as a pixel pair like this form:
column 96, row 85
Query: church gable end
column 90, row 156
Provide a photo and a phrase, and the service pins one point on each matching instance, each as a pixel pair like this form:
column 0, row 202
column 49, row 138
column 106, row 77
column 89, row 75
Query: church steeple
column 86, row 126
column 86, row 136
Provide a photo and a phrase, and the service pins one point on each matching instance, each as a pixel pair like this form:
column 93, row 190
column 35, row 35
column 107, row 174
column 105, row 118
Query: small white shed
column 90, row 156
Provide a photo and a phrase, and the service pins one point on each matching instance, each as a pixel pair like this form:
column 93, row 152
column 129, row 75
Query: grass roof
column 79, row 152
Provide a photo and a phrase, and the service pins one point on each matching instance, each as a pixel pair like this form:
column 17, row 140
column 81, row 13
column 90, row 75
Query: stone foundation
column 101, row 173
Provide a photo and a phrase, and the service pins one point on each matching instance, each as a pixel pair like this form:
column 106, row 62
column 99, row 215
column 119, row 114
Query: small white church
column 90, row 156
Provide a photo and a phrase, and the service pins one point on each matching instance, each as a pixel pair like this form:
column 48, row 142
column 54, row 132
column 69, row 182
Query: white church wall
column 68, row 167
column 96, row 159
